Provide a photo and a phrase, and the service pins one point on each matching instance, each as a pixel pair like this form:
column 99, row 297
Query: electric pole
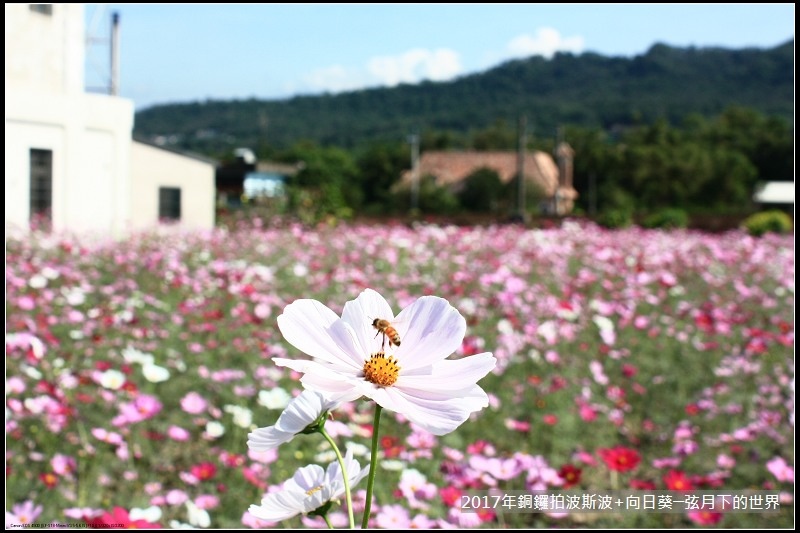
column 414, row 140
column 523, row 141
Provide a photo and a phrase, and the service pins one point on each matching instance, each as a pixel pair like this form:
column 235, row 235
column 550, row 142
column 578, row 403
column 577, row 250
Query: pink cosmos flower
column 415, row 488
column 393, row 517
column 704, row 518
column 120, row 517
column 63, row 465
column 141, row 408
column 414, row 379
column 193, row 403
column 22, row 513
column 178, row 433
column 781, row 470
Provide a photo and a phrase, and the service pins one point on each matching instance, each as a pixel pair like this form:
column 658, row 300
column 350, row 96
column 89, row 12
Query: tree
column 380, row 167
column 482, row 191
column 327, row 184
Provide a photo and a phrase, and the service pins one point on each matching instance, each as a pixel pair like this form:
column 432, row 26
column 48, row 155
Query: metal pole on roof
column 523, row 133
column 414, row 140
column 113, row 88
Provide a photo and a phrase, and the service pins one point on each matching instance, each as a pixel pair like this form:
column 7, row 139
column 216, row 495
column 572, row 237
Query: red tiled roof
column 451, row 167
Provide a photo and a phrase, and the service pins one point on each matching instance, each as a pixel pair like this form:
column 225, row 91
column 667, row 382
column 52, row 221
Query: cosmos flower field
column 626, row 359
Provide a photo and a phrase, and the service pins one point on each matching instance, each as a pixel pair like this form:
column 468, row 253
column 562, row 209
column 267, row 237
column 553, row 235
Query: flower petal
column 360, row 313
column 436, row 416
column 301, row 411
column 335, row 370
column 307, row 477
column 450, row 374
column 278, row 506
column 265, row 439
column 472, row 398
column 306, row 324
column 341, row 390
column 431, row 329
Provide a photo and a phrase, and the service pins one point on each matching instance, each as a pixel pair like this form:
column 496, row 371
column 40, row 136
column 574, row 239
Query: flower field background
column 633, row 358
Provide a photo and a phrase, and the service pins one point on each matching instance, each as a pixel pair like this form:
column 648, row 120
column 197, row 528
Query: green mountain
column 588, row 90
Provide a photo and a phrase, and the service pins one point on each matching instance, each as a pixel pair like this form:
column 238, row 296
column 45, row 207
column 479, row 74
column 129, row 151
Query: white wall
column 90, row 137
column 152, row 168
column 46, row 108
column 45, row 52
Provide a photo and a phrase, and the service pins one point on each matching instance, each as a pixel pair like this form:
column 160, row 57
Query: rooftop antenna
column 102, row 33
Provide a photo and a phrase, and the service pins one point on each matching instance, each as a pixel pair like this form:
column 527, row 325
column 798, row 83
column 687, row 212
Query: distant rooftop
column 774, row 192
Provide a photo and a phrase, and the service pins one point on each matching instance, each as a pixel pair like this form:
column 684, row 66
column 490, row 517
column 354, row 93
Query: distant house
column 450, row 168
column 774, row 193
column 247, row 178
column 70, row 159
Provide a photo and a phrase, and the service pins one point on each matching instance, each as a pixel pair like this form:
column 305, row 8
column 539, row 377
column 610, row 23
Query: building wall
column 45, row 52
column 90, row 138
column 152, row 168
column 45, row 108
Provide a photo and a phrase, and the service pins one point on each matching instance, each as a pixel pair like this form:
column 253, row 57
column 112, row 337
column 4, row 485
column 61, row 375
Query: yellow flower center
column 309, row 492
column 381, row 370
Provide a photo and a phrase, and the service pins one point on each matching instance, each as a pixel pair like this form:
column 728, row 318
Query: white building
column 69, row 155
column 173, row 186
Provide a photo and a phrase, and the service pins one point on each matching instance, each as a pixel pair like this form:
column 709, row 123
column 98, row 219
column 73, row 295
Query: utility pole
column 414, row 140
column 523, row 141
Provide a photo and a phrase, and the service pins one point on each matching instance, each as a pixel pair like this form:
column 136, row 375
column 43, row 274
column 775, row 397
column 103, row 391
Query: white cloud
column 415, row 65
column 335, row 78
column 410, row 67
column 546, row 42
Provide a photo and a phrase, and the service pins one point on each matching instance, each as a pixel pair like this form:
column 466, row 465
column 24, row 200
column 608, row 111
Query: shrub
column 667, row 219
column 768, row 221
column 615, row 218
column 482, row 191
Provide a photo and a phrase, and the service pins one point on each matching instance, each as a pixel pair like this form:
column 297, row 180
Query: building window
column 44, row 9
column 169, row 203
column 41, row 193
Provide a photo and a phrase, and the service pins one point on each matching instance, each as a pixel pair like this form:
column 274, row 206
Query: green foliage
column 615, row 218
column 623, row 91
column 772, row 221
column 327, row 185
column 534, row 196
column 670, row 218
column 435, row 199
column 380, row 167
column 498, row 136
column 482, row 191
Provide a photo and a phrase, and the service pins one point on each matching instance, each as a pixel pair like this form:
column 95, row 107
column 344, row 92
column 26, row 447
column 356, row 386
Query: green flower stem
column 327, row 521
column 373, row 462
column 344, row 477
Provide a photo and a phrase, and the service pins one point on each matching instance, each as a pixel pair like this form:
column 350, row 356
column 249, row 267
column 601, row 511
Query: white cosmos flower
column 414, row 379
column 214, row 429
column 276, row 398
column 112, row 379
column 303, row 411
column 197, row 517
column 310, row 488
column 150, row 514
column 154, row 373
column 132, row 355
column 242, row 416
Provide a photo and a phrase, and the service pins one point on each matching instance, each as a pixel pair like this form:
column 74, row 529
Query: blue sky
column 182, row 53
